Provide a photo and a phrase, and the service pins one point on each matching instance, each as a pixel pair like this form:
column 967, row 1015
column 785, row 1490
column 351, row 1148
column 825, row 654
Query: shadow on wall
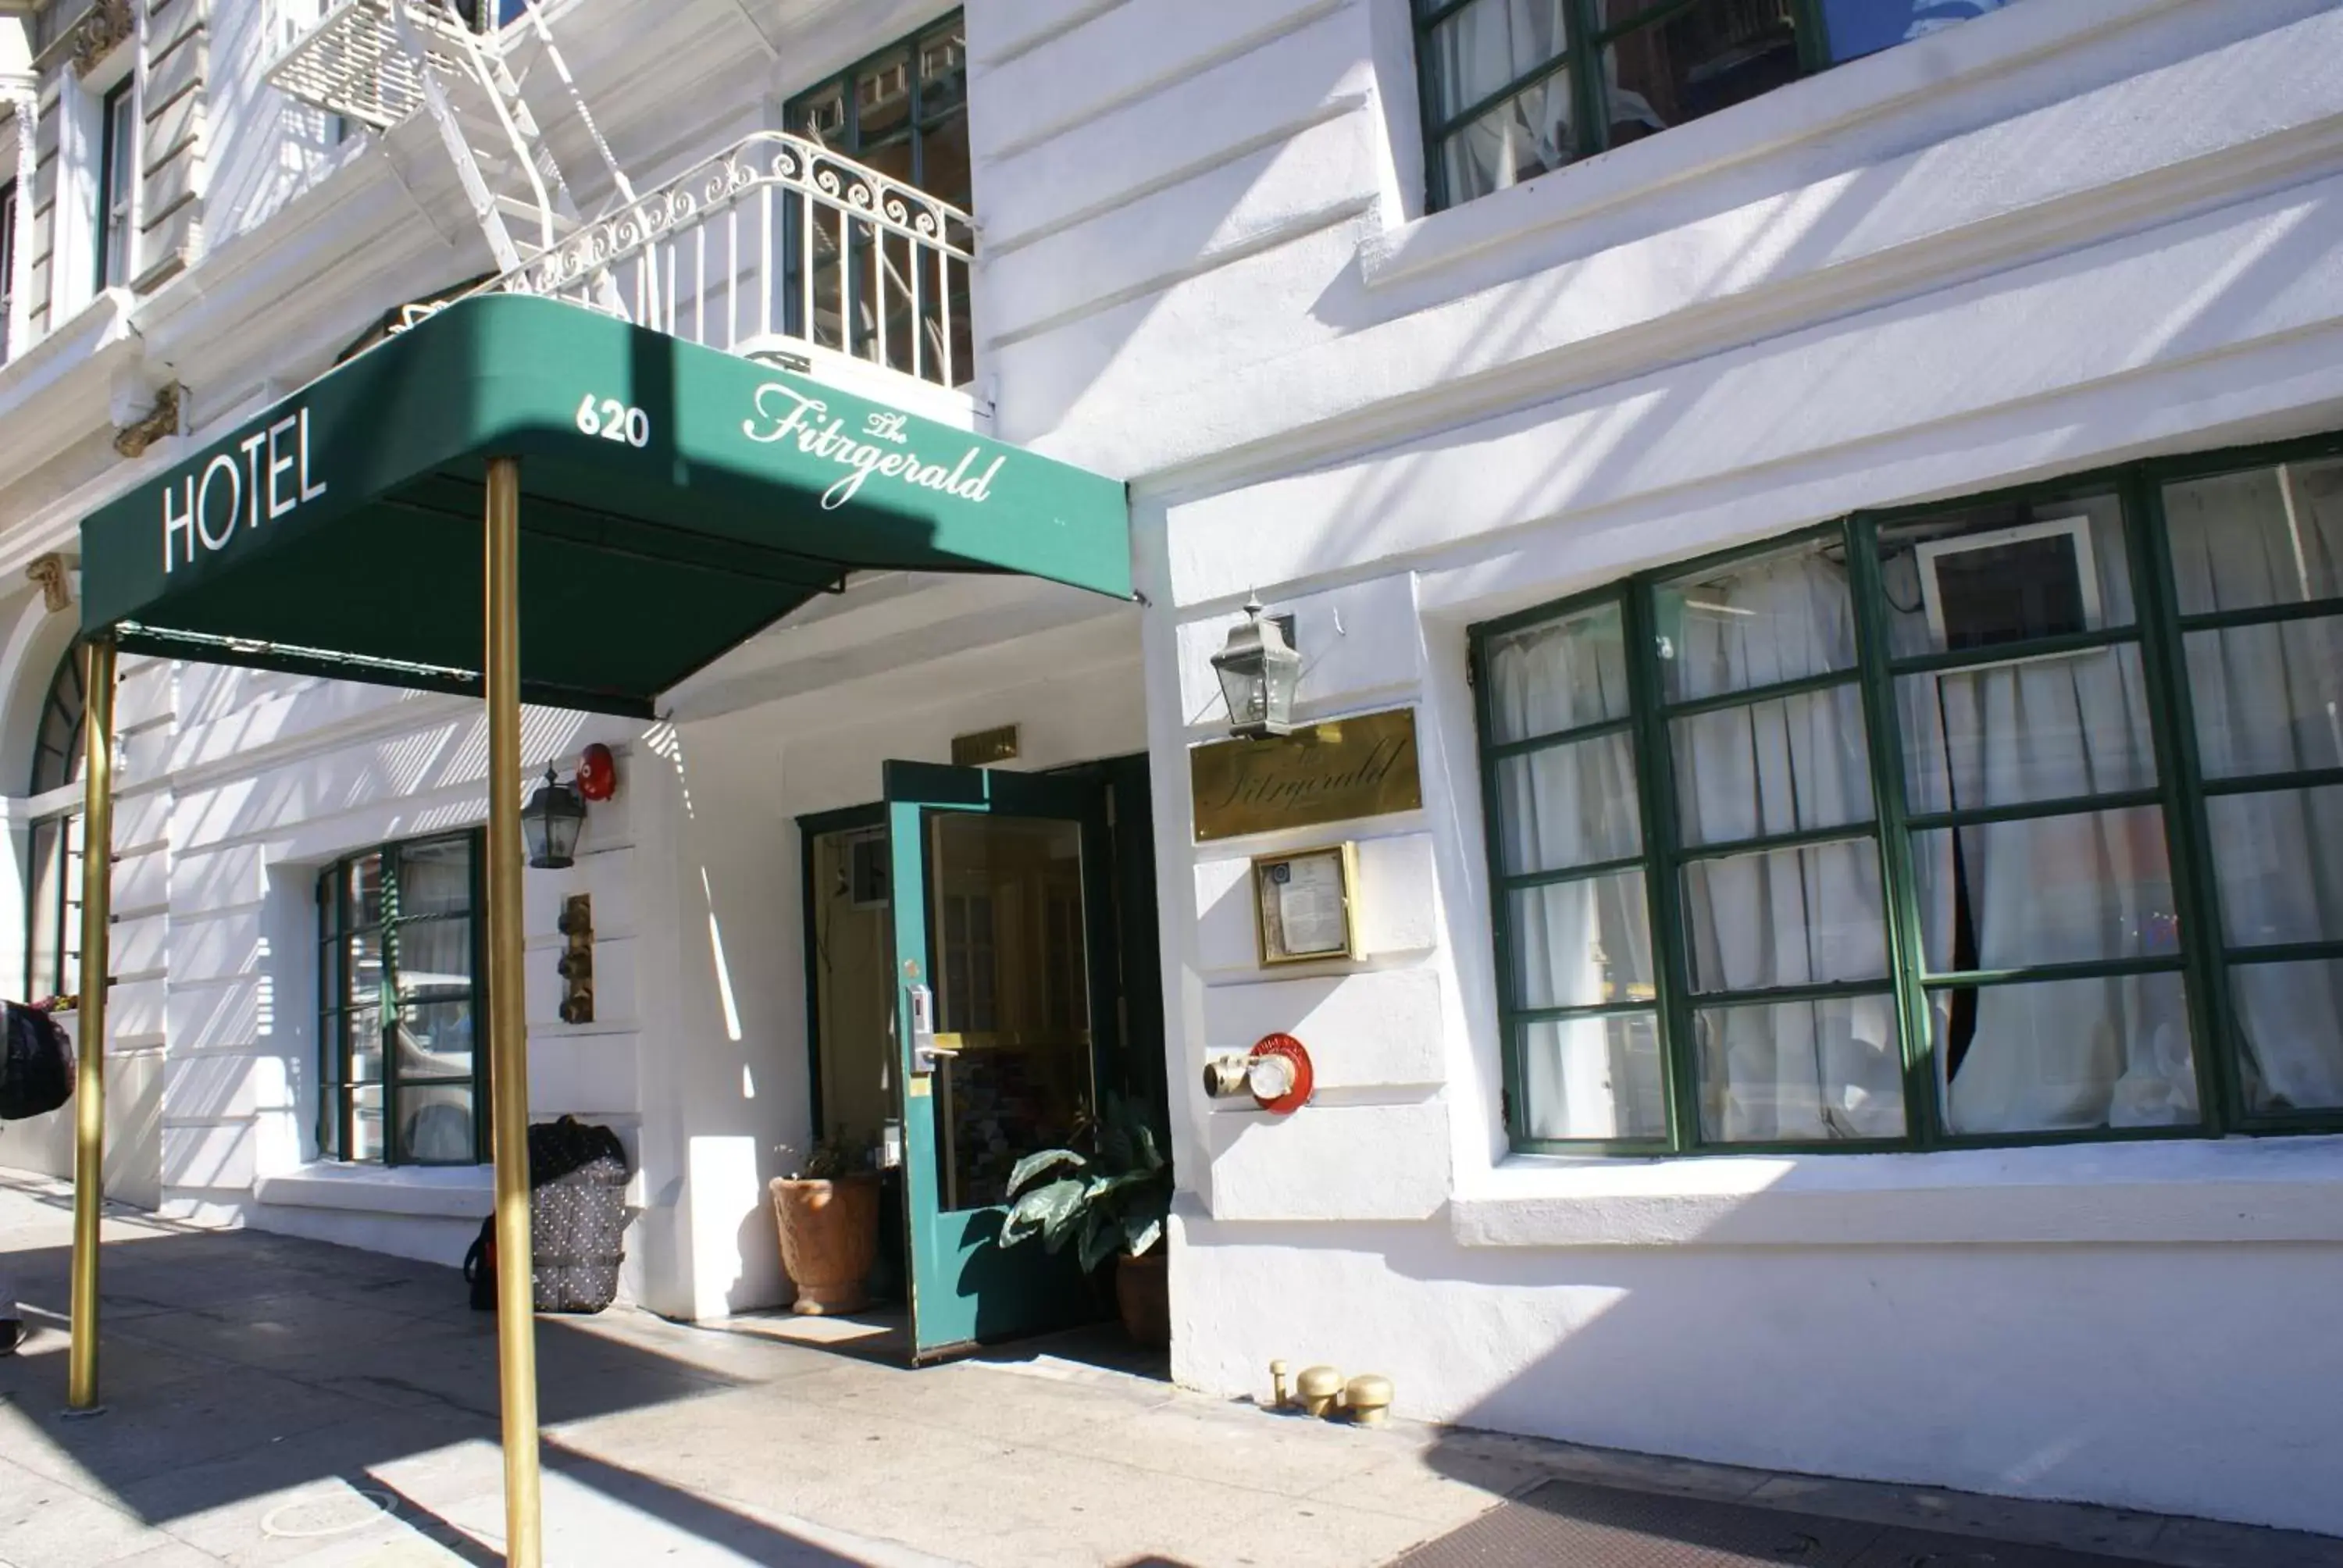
column 240, row 1367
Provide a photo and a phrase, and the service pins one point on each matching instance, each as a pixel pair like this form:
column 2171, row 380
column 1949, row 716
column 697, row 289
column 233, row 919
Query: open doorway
column 981, row 981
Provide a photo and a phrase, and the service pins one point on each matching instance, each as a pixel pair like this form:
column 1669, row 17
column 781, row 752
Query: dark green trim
column 2273, row 783
column 1656, row 787
column 1590, row 1010
column 1766, row 843
column 1816, row 991
column 1750, row 697
column 2029, row 810
column 1556, row 738
column 2286, row 952
column 2000, row 653
column 2047, row 974
column 2263, row 615
column 1522, row 881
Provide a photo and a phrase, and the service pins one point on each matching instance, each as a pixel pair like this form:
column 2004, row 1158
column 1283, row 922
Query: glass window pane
column 2272, row 535
column 362, row 966
column 1800, row 1070
column 435, row 879
column 1856, row 28
column 1485, row 46
column 435, row 958
column 1785, row 916
column 1557, row 675
column 362, row 892
column 1703, row 57
column 2290, row 1018
column 435, row 1124
column 2268, row 699
column 1520, row 139
column 2062, row 1055
column 1777, row 766
column 434, row 1040
column 362, row 1029
column 2279, row 858
column 1568, row 805
column 1582, row 944
column 2078, row 889
column 365, row 1123
column 1778, row 617
column 1983, row 576
column 2035, row 729
column 1593, row 1078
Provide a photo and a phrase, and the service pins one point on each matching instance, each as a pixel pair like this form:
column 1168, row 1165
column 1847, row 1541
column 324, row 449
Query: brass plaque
column 985, row 747
column 1332, row 772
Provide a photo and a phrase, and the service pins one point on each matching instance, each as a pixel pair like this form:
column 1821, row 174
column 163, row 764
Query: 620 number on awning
column 614, row 421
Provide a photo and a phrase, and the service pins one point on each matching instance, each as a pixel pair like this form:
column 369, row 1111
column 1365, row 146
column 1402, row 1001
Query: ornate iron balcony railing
column 351, row 62
column 774, row 243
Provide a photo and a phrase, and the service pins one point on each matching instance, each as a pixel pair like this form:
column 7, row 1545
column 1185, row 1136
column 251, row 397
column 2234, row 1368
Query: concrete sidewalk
column 282, row 1401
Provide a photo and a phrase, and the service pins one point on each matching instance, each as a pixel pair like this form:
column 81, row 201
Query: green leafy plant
column 1114, row 1199
column 828, row 1158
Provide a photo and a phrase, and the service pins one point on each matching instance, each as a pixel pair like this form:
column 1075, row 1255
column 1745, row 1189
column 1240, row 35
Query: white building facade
column 1850, row 493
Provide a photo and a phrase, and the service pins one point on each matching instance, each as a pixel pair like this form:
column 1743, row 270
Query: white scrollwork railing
column 778, row 238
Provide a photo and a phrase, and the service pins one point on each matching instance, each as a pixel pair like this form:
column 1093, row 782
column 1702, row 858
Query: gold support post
column 96, row 963
column 507, row 1027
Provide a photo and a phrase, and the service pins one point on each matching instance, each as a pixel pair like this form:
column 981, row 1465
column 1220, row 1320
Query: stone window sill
column 438, row 1192
column 2179, row 1192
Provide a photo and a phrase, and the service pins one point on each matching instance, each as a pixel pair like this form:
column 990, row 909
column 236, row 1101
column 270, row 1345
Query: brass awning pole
column 96, row 963
column 507, row 1027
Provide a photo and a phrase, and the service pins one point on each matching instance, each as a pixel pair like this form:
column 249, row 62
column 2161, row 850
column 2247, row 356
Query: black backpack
column 36, row 1064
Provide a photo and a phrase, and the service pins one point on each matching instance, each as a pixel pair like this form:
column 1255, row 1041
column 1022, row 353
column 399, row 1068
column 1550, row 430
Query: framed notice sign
column 1305, row 905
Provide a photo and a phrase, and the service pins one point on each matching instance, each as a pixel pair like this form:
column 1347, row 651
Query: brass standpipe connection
column 1277, row 1389
column 1321, row 1389
column 1369, row 1396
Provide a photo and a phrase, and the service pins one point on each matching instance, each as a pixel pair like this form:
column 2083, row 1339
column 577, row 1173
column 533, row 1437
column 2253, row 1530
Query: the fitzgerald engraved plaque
column 1332, row 772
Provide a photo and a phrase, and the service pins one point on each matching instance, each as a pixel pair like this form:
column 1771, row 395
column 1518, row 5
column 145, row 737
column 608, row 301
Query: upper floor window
column 2013, row 819
column 903, row 112
column 117, row 185
column 398, row 968
column 1512, row 89
column 7, row 259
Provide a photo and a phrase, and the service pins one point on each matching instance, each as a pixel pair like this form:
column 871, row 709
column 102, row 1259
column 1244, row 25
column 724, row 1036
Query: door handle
column 925, row 1052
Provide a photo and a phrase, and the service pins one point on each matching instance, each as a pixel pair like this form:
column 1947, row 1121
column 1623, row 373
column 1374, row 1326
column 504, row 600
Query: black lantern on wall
column 1257, row 671
column 550, row 822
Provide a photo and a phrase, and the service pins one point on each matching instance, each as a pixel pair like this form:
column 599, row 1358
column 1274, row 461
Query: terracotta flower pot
column 830, row 1240
column 1143, row 1290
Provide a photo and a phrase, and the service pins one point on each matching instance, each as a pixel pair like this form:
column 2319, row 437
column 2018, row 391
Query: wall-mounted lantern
column 1258, row 670
column 549, row 824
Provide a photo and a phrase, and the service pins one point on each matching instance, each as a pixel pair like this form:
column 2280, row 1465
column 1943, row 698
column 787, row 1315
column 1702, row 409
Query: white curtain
column 1788, row 917
column 1478, row 51
column 1585, row 942
column 2074, row 888
column 2269, row 698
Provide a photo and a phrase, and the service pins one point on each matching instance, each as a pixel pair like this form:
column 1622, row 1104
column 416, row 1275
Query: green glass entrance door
column 1005, row 1001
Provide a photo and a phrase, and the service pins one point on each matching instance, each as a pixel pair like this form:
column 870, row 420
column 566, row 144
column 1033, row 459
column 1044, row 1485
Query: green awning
column 675, row 500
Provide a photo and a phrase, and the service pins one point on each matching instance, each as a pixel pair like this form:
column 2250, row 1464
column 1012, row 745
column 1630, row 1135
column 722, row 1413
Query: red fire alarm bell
column 598, row 773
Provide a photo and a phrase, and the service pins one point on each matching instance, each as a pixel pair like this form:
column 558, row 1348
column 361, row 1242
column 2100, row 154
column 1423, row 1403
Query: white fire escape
column 776, row 244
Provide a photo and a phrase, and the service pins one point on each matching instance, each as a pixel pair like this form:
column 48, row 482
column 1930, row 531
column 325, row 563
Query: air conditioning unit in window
column 2013, row 585
column 867, row 871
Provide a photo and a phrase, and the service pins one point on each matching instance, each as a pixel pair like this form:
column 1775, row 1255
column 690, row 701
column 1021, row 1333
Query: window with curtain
column 401, row 1081
column 53, row 861
column 1996, row 821
column 7, row 261
column 1514, row 88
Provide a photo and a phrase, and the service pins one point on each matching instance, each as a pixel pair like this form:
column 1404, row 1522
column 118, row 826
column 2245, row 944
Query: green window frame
column 2184, row 796
column 117, row 185
column 1591, row 91
column 377, row 1033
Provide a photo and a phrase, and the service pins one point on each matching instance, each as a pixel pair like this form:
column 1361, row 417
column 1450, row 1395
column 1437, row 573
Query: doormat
column 1568, row 1524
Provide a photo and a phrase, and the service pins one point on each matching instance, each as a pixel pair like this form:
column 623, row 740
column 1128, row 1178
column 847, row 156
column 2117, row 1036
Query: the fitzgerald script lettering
column 784, row 413
column 1272, row 782
column 273, row 479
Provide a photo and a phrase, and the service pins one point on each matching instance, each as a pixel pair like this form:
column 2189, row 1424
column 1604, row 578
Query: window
column 399, row 968
column 53, row 866
column 1512, row 89
column 118, row 184
column 2014, row 820
column 904, row 113
column 7, row 261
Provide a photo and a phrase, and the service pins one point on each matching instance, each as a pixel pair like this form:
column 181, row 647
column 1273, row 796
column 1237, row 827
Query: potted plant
column 827, row 1212
column 1113, row 1201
